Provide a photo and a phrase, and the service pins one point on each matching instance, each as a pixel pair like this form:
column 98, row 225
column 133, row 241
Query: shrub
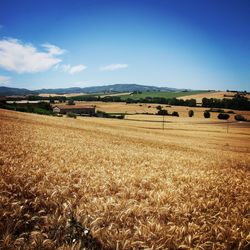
column 100, row 113
column 71, row 102
column 103, row 114
column 42, row 111
column 159, row 107
column 120, row 116
column 175, row 114
column 223, row 116
column 191, row 113
column 206, row 114
column 21, row 109
column 162, row 112
column 71, row 115
column 240, row 118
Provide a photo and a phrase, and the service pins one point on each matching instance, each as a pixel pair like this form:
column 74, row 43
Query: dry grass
column 121, row 107
column 133, row 185
column 215, row 94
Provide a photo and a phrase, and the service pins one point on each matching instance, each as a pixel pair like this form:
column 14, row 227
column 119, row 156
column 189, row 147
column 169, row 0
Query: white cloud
column 64, row 67
column 5, row 80
column 112, row 67
column 73, row 69
column 25, row 58
column 52, row 49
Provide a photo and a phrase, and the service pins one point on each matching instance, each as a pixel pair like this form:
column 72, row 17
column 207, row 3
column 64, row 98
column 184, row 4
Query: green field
column 161, row 94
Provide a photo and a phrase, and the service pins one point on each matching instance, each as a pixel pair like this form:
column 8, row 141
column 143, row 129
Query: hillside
column 213, row 94
column 7, row 91
column 114, row 88
column 132, row 184
column 125, row 88
column 163, row 94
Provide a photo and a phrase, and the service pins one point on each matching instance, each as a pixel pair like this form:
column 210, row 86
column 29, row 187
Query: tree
column 240, row 118
column 159, row 107
column 223, row 116
column 71, row 102
column 206, row 114
column 191, row 113
column 162, row 112
column 51, row 100
column 191, row 103
column 175, row 114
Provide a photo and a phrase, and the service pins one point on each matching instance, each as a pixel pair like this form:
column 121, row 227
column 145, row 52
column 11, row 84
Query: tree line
column 238, row 103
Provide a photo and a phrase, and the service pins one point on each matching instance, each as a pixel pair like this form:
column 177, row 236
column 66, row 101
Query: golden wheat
column 103, row 183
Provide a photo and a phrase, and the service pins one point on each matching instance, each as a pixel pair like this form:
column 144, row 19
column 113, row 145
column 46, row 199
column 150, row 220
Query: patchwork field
column 164, row 94
column 143, row 108
column 213, row 94
column 98, row 183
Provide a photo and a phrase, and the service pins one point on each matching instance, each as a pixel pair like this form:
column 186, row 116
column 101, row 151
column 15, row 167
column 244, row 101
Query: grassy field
column 123, row 184
column 161, row 94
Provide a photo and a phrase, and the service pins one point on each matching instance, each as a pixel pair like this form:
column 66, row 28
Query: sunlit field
column 96, row 183
column 144, row 108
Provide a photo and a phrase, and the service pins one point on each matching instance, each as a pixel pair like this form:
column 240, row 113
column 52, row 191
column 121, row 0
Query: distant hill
column 106, row 88
column 6, row 91
column 61, row 91
column 125, row 88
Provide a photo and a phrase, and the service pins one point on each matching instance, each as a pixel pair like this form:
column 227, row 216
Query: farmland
column 162, row 94
column 212, row 94
column 150, row 108
column 131, row 183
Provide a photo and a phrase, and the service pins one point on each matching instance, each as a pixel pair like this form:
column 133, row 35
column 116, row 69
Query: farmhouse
column 77, row 109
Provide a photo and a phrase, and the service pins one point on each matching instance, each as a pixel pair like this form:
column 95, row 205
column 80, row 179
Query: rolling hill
column 114, row 88
column 7, row 91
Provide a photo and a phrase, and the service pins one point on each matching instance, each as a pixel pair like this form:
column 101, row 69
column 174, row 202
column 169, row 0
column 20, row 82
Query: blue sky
column 194, row 44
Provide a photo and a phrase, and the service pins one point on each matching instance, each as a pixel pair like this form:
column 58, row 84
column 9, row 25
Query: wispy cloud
column 73, row 69
column 5, row 80
column 25, row 58
column 52, row 49
column 1, row 26
column 112, row 67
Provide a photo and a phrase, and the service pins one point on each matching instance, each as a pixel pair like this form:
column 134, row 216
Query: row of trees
column 160, row 100
column 238, row 102
column 43, row 108
column 222, row 115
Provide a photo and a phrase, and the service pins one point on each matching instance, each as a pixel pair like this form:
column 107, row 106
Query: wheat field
column 143, row 108
column 93, row 183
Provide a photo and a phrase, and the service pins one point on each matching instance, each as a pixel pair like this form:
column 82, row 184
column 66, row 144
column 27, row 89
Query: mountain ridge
column 9, row 91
